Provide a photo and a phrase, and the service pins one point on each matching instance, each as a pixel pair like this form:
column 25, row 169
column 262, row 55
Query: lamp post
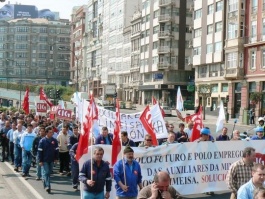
column 204, row 90
column 77, row 60
column 20, row 73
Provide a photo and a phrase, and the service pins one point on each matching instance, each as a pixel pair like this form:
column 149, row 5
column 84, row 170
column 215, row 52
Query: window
column 263, row 59
column 254, row 6
column 263, row 26
column 209, row 29
column 218, row 47
column 147, row 18
column 214, row 88
column 197, row 32
column 155, row 45
column 224, row 88
column 218, row 26
column 210, row 9
column 252, row 59
column 232, row 31
column 156, row 13
column 209, row 48
column 176, row 11
column 156, row 29
column 198, row 14
column 219, row 6
column 231, row 60
column 197, row 51
column 232, row 5
column 254, row 28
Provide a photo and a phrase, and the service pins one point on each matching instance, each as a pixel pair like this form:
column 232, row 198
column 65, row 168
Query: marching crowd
column 30, row 140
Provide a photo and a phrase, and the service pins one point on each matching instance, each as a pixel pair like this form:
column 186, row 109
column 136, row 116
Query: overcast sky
column 64, row 7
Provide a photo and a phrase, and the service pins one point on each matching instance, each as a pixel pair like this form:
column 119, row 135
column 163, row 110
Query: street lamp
column 77, row 60
column 204, row 90
column 20, row 73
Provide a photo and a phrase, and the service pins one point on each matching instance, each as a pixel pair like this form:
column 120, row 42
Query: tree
column 255, row 97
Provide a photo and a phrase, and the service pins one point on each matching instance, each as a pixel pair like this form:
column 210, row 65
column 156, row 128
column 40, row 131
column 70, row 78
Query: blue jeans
column 18, row 155
column 26, row 161
column 75, row 172
column 46, row 173
column 38, row 168
column 88, row 195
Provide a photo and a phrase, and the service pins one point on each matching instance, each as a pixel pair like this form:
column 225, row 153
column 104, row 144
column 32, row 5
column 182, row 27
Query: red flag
column 92, row 114
column 26, row 101
column 44, row 97
column 146, row 119
column 196, row 131
column 162, row 110
column 116, row 143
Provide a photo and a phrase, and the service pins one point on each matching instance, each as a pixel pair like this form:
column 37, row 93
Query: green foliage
column 191, row 88
column 255, row 97
column 66, row 92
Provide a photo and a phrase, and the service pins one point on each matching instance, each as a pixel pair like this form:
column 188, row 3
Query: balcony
column 255, row 40
column 163, row 65
column 166, row 3
column 163, row 49
column 135, row 69
column 213, row 74
column 164, row 34
column 233, row 14
column 164, row 18
column 234, row 73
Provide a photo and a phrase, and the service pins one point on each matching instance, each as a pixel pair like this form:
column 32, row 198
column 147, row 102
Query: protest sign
column 42, row 107
column 193, row 167
column 132, row 124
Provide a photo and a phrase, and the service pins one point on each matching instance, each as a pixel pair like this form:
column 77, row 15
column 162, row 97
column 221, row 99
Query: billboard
column 14, row 11
column 24, row 11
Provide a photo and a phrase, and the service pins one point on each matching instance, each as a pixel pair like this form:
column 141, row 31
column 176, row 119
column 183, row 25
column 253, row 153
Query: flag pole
column 91, row 149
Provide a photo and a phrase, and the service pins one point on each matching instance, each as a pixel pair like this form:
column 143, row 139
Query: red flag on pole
column 26, row 101
column 91, row 116
column 116, row 143
column 162, row 110
column 146, row 119
column 44, row 97
column 198, row 125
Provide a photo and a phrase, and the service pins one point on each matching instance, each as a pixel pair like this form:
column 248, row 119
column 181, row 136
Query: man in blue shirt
column 105, row 137
column 259, row 134
column 11, row 142
column 26, row 143
column 94, row 182
column 128, row 175
column 257, row 180
column 48, row 153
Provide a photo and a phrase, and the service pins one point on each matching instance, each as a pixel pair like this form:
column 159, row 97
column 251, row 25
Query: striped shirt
column 239, row 173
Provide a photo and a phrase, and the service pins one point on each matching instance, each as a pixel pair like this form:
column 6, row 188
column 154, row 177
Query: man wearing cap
column 259, row 134
column 126, row 183
column 205, row 135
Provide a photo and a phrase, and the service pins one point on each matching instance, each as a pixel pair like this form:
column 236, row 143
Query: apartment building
column 93, row 46
column 165, row 51
column 254, row 54
column 209, row 34
column 116, row 62
column 135, row 77
column 78, row 70
column 29, row 51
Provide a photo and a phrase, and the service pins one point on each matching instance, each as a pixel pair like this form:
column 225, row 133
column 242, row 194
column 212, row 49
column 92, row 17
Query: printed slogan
column 193, row 167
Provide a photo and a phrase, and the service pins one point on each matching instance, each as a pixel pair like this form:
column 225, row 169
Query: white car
column 167, row 110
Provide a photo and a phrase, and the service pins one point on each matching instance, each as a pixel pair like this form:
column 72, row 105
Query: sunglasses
column 148, row 140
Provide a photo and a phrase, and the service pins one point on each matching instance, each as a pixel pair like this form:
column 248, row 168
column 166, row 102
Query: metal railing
column 164, row 33
column 164, row 17
column 255, row 39
column 163, row 49
column 166, row 2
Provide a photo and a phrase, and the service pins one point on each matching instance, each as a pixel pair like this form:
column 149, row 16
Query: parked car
column 111, row 108
column 167, row 110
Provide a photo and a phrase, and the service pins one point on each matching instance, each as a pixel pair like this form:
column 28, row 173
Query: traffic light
column 227, row 98
column 57, row 94
column 115, row 94
column 50, row 93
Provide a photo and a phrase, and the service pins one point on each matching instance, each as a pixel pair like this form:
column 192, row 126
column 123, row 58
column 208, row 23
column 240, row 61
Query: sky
column 64, row 7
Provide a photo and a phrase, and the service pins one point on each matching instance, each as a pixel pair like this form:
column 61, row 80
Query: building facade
column 77, row 67
column 165, row 52
column 29, row 51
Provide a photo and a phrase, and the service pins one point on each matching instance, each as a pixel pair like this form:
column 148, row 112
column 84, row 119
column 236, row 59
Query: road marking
column 31, row 189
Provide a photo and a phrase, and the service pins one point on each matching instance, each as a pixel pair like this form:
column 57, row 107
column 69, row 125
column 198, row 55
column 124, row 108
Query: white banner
column 193, row 167
column 129, row 122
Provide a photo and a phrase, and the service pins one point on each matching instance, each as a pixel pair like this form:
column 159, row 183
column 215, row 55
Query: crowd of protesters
column 38, row 141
